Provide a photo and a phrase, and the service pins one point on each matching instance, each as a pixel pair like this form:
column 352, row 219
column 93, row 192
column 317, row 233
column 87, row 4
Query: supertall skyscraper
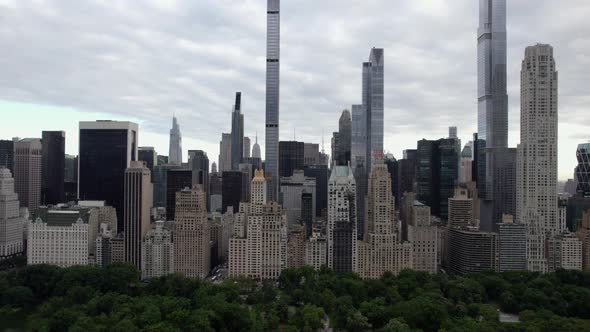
column 175, row 150
column 491, row 71
column 537, row 204
column 272, row 94
column 237, row 133
column 373, row 79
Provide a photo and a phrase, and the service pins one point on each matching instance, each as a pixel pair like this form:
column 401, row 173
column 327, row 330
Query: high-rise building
column 11, row 220
column 296, row 246
column 292, row 190
column 199, row 163
column 27, row 172
column 176, row 180
column 106, row 151
column 461, row 209
column 71, row 169
column 423, row 235
column 379, row 251
column 311, row 154
column 472, row 251
column 148, row 155
column 564, row 252
column 53, row 167
column 225, row 153
column 321, row 173
column 308, row 211
column 231, row 190
column 373, row 84
column 175, row 148
column 157, row 252
column 512, row 240
column 583, row 170
column 406, row 176
column 583, row 234
column 537, row 152
column 342, row 229
column 160, row 181
column 466, row 164
column 256, row 148
column 290, row 157
column 7, row 154
column 237, row 133
column 258, row 247
column 271, row 144
column 246, row 147
column 449, row 156
column 358, row 136
column 316, row 251
column 343, row 146
column 215, row 190
column 491, row 71
column 138, row 204
column 191, row 234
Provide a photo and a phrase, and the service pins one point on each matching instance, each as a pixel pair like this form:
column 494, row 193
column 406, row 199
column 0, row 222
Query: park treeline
column 86, row 298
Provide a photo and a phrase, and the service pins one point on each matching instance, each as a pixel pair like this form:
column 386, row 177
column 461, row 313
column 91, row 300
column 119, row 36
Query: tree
column 18, row 296
column 396, row 325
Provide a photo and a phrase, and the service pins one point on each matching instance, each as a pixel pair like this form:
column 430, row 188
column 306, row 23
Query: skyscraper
column 246, row 147
column 149, row 155
column 27, row 172
column 342, row 232
column 224, row 163
column 175, row 149
column 53, row 167
column 343, row 149
column 537, row 205
column 492, row 122
column 138, row 203
column 272, row 94
column 199, row 164
column 237, row 133
column 7, row 154
column 106, row 151
column 256, row 148
column 176, row 180
column 291, row 157
column 373, row 80
column 11, row 222
column 191, row 238
column 583, row 170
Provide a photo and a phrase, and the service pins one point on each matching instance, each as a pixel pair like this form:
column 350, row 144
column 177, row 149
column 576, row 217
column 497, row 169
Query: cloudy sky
column 66, row 61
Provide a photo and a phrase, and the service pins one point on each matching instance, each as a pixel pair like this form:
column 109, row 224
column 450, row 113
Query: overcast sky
column 143, row 61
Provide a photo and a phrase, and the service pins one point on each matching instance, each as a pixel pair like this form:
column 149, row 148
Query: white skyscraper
column 27, row 171
column 11, row 222
column 273, row 46
column 175, row 151
column 537, row 204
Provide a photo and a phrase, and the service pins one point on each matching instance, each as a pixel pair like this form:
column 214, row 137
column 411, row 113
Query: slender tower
column 175, row 151
column 272, row 94
column 237, row 133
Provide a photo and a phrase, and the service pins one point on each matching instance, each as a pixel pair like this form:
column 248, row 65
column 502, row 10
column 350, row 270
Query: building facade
column 53, row 167
column 292, row 190
column 57, row 242
column 11, row 220
column 27, row 171
column 175, row 147
column 237, row 133
column 342, row 229
column 157, row 252
column 137, row 213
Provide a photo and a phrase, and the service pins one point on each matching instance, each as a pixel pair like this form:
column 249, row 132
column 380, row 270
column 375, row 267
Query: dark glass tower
column 237, row 133
column 176, row 180
column 199, row 164
column 231, row 190
column 149, row 155
column 321, row 174
column 53, row 167
column 106, row 151
column 291, row 157
column 7, row 154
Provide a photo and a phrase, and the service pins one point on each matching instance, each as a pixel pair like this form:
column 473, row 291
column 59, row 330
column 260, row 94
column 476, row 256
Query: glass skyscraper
column 373, row 104
column 272, row 94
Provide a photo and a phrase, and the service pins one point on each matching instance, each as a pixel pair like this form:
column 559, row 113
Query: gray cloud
column 150, row 59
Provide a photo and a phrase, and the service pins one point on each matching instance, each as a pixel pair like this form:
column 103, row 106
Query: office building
column 175, row 148
column 198, row 162
column 296, row 246
column 320, row 173
column 537, row 152
column 316, row 251
column 343, row 146
column 290, row 157
column 512, row 241
column 271, row 142
column 215, row 190
column 191, row 235
column 379, row 251
column 53, row 167
column 246, row 147
column 311, row 154
column 27, row 171
column 583, row 170
column 237, row 133
column 71, row 170
column 138, row 204
column 358, row 137
column 564, row 252
column 7, row 154
column 224, row 163
column 472, row 251
column 583, row 234
column 342, row 229
column 61, row 241
column 292, row 190
column 157, row 252
column 231, row 190
column 373, row 84
column 11, row 218
column 106, row 151
column 406, row 176
column 258, row 247
column 148, row 155
column 308, row 202
column 176, row 180
column 466, row 164
column 160, row 181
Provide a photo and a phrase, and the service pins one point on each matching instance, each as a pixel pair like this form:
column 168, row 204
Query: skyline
column 406, row 89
